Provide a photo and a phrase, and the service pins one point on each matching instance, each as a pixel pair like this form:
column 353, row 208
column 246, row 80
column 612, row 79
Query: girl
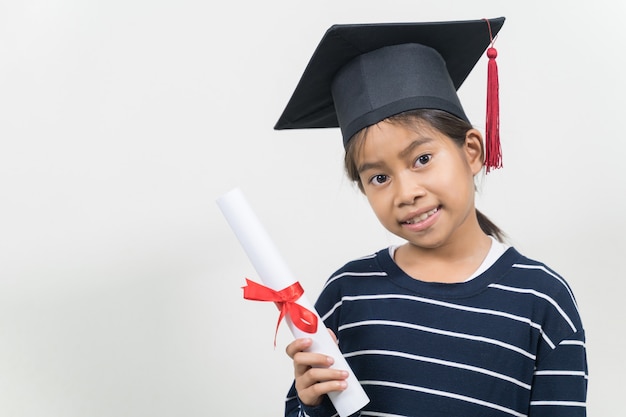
column 453, row 322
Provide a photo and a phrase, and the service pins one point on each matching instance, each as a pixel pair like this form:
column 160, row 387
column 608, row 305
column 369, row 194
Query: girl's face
column 420, row 183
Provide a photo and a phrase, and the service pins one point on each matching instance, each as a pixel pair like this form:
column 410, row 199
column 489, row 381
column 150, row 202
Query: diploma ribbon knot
column 285, row 300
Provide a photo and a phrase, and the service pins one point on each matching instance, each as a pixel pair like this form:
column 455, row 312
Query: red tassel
column 493, row 151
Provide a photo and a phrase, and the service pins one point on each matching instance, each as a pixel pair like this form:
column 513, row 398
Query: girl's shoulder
column 373, row 263
column 530, row 278
column 536, row 274
column 362, row 267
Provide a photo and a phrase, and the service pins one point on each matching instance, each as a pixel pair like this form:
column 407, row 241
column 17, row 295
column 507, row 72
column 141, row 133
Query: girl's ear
column 474, row 150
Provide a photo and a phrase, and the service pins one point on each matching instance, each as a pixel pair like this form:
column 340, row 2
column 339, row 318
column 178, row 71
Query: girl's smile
column 420, row 221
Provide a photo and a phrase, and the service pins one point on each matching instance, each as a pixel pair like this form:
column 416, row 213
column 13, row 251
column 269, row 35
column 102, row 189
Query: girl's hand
column 313, row 376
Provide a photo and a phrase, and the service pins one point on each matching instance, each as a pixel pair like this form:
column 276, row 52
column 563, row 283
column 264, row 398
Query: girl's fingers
column 303, row 361
column 316, row 382
column 298, row 345
column 313, row 376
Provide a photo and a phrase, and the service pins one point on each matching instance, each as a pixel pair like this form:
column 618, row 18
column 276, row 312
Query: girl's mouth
column 422, row 217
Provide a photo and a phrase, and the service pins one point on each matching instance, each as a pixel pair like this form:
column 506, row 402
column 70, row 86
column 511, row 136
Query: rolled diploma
column 275, row 274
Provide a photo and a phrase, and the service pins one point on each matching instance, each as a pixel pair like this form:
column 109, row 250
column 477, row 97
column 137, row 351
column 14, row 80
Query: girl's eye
column 423, row 160
column 379, row 179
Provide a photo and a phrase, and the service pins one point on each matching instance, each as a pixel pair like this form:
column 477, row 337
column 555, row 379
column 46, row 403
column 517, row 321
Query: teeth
column 422, row 217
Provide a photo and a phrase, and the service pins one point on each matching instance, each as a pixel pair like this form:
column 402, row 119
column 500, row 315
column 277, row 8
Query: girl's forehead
column 397, row 137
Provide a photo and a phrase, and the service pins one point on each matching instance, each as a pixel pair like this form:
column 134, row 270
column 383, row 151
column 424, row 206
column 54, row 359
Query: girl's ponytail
column 489, row 227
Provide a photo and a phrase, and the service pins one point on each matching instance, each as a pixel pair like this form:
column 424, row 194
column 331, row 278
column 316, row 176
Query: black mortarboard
column 361, row 74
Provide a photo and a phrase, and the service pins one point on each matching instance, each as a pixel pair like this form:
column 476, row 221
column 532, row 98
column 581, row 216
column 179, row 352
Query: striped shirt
column 509, row 342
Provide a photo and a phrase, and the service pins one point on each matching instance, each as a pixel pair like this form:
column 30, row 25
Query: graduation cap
column 361, row 74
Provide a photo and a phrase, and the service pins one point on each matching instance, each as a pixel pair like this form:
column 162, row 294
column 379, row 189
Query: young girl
column 453, row 322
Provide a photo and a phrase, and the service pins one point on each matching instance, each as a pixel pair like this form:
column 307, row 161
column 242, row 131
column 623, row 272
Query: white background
column 121, row 122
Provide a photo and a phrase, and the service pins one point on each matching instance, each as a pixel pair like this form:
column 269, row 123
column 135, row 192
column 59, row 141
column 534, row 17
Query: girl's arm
column 560, row 381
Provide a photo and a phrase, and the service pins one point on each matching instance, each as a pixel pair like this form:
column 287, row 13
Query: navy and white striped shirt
column 509, row 342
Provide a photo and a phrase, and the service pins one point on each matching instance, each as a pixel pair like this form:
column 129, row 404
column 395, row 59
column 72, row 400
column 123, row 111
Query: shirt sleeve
column 560, row 380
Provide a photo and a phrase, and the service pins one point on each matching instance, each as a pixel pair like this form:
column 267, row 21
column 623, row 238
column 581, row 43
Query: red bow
column 285, row 300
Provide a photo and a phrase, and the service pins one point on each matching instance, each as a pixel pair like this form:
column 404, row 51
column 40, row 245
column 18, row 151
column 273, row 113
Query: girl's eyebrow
column 415, row 144
column 369, row 165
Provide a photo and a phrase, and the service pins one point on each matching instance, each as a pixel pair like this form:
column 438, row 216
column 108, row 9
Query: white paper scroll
column 275, row 274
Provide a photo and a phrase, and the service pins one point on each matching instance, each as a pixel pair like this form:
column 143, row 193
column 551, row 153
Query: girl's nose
column 408, row 190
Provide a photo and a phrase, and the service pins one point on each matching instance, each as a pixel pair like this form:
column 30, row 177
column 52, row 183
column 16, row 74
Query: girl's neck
column 450, row 262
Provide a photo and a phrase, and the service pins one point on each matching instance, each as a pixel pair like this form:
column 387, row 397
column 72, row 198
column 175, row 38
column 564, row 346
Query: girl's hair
column 451, row 126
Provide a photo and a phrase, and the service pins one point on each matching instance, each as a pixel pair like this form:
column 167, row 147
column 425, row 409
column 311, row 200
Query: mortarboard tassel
column 493, row 151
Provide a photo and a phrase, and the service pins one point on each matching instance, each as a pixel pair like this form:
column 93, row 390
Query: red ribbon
column 285, row 300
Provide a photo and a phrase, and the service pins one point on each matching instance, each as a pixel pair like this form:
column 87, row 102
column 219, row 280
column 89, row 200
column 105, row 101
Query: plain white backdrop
column 121, row 122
